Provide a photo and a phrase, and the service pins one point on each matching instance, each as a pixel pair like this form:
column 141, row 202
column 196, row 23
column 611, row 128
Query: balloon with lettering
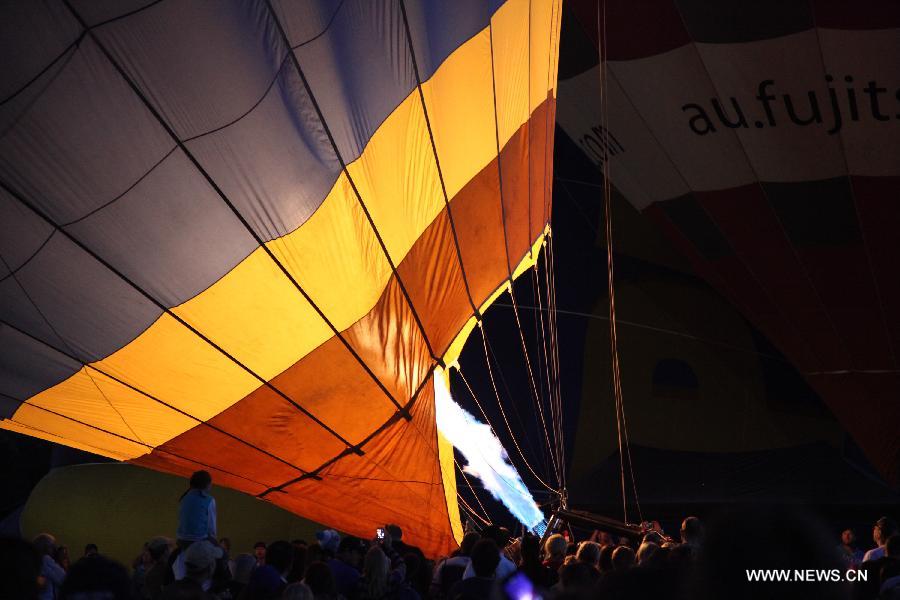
column 764, row 139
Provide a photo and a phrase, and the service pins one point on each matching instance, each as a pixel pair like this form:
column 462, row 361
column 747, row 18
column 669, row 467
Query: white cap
column 201, row 556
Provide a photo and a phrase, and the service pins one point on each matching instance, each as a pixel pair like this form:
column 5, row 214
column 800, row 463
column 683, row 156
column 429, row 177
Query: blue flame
column 484, row 454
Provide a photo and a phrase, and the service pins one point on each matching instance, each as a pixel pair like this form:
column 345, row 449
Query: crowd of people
column 700, row 562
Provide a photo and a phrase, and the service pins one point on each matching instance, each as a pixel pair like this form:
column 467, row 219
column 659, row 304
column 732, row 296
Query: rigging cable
column 552, row 360
column 467, row 508
column 555, row 348
column 543, row 353
column 487, row 361
column 535, row 396
column 465, row 477
column 621, row 423
column 500, row 172
column 553, row 354
column 493, row 429
column 513, row 404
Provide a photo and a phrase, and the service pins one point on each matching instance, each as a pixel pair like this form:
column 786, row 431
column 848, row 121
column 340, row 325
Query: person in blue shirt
column 197, row 511
column 196, row 520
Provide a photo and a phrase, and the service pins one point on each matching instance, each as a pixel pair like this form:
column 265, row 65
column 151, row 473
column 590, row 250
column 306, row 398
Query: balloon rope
column 552, row 368
column 551, row 363
column 535, row 395
column 621, row 423
column 500, row 173
column 487, row 362
column 470, row 511
column 541, row 356
column 465, row 477
column 554, row 353
column 544, row 353
column 541, row 352
column 494, row 431
column 555, row 391
column 609, row 263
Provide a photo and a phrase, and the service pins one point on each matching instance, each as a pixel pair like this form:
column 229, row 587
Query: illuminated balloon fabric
column 764, row 138
column 144, row 162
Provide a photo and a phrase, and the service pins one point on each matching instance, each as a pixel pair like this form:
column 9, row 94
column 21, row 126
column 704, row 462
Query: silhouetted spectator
column 20, row 567
column 91, row 550
column 259, row 551
column 485, row 558
column 315, row 553
column 61, row 556
column 849, row 549
column 576, row 576
column 892, row 546
column 500, row 537
column 555, row 552
column 589, row 554
column 320, row 581
column 268, row 581
column 140, row 565
column 622, row 558
column 346, row 564
column 531, row 564
column 225, row 544
column 301, row 558
column 603, row 538
column 605, row 563
column 418, row 574
column 185, row 589
column 645, row 552
column 450, row 570
column 96, row 577
column 297, row 591
column 889, row 576
column 329, row 540
column 244, row 564
column 158, row 550
column 654, row 537
column 882, row 530
column 692, row 532
column 52, row 575
column 374, row 582
column 398, row 544
column 680, row 558
column 200, row 563
column 280, row 556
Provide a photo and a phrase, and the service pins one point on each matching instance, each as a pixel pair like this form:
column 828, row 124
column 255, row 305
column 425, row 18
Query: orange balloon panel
column 241, row 237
